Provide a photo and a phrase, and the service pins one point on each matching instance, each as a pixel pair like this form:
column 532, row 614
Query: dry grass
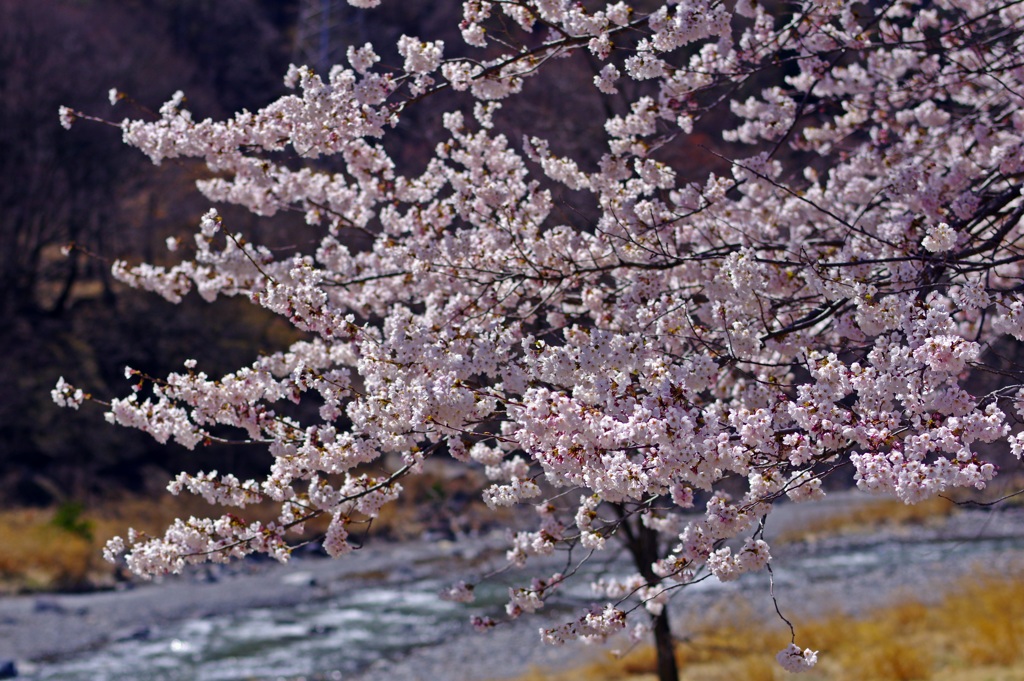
column 40, row 555
column 976, row 633
column 60, row 548
column 872, row 515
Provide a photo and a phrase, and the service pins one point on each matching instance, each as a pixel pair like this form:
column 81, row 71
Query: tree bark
column 668, row 670
column 642, row 543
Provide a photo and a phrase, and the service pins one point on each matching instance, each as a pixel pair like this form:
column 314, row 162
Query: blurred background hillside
column 65, row 316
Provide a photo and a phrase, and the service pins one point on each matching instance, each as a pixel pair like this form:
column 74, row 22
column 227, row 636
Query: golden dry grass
column 46, row 549
column 61, row 548
column 39, row 555
column 975, row 633
column 872, row 515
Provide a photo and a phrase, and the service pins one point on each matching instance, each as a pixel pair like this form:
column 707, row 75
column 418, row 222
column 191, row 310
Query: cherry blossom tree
column 648, row 361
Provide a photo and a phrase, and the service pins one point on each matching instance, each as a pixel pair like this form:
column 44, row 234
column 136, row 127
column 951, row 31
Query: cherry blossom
column 794, row 660
column 643, row 353
column 67, row 395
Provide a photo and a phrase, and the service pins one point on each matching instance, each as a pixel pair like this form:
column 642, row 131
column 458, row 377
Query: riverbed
column 376, row 614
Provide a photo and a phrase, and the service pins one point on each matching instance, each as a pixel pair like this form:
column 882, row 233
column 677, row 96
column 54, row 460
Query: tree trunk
column 667, row 668
column 642, row 543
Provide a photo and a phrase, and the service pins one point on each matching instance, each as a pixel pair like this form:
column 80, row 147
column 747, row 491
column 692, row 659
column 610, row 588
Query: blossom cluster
column 828, row 295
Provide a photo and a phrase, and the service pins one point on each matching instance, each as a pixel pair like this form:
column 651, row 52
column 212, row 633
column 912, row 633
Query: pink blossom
column 768, row 264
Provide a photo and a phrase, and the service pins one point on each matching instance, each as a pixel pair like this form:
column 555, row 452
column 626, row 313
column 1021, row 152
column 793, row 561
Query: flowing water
column 335, row 637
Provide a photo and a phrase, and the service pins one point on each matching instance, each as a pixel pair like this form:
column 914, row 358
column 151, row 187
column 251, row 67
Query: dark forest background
column 65, row 316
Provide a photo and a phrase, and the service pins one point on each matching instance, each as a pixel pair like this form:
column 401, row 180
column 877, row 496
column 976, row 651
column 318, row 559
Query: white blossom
column 420, row 57
column 67, row 117
column 605, row 80
column 796, row 661
column 940, row 238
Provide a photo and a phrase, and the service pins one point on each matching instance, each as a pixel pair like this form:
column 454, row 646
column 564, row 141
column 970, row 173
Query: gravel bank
column 923, row 562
